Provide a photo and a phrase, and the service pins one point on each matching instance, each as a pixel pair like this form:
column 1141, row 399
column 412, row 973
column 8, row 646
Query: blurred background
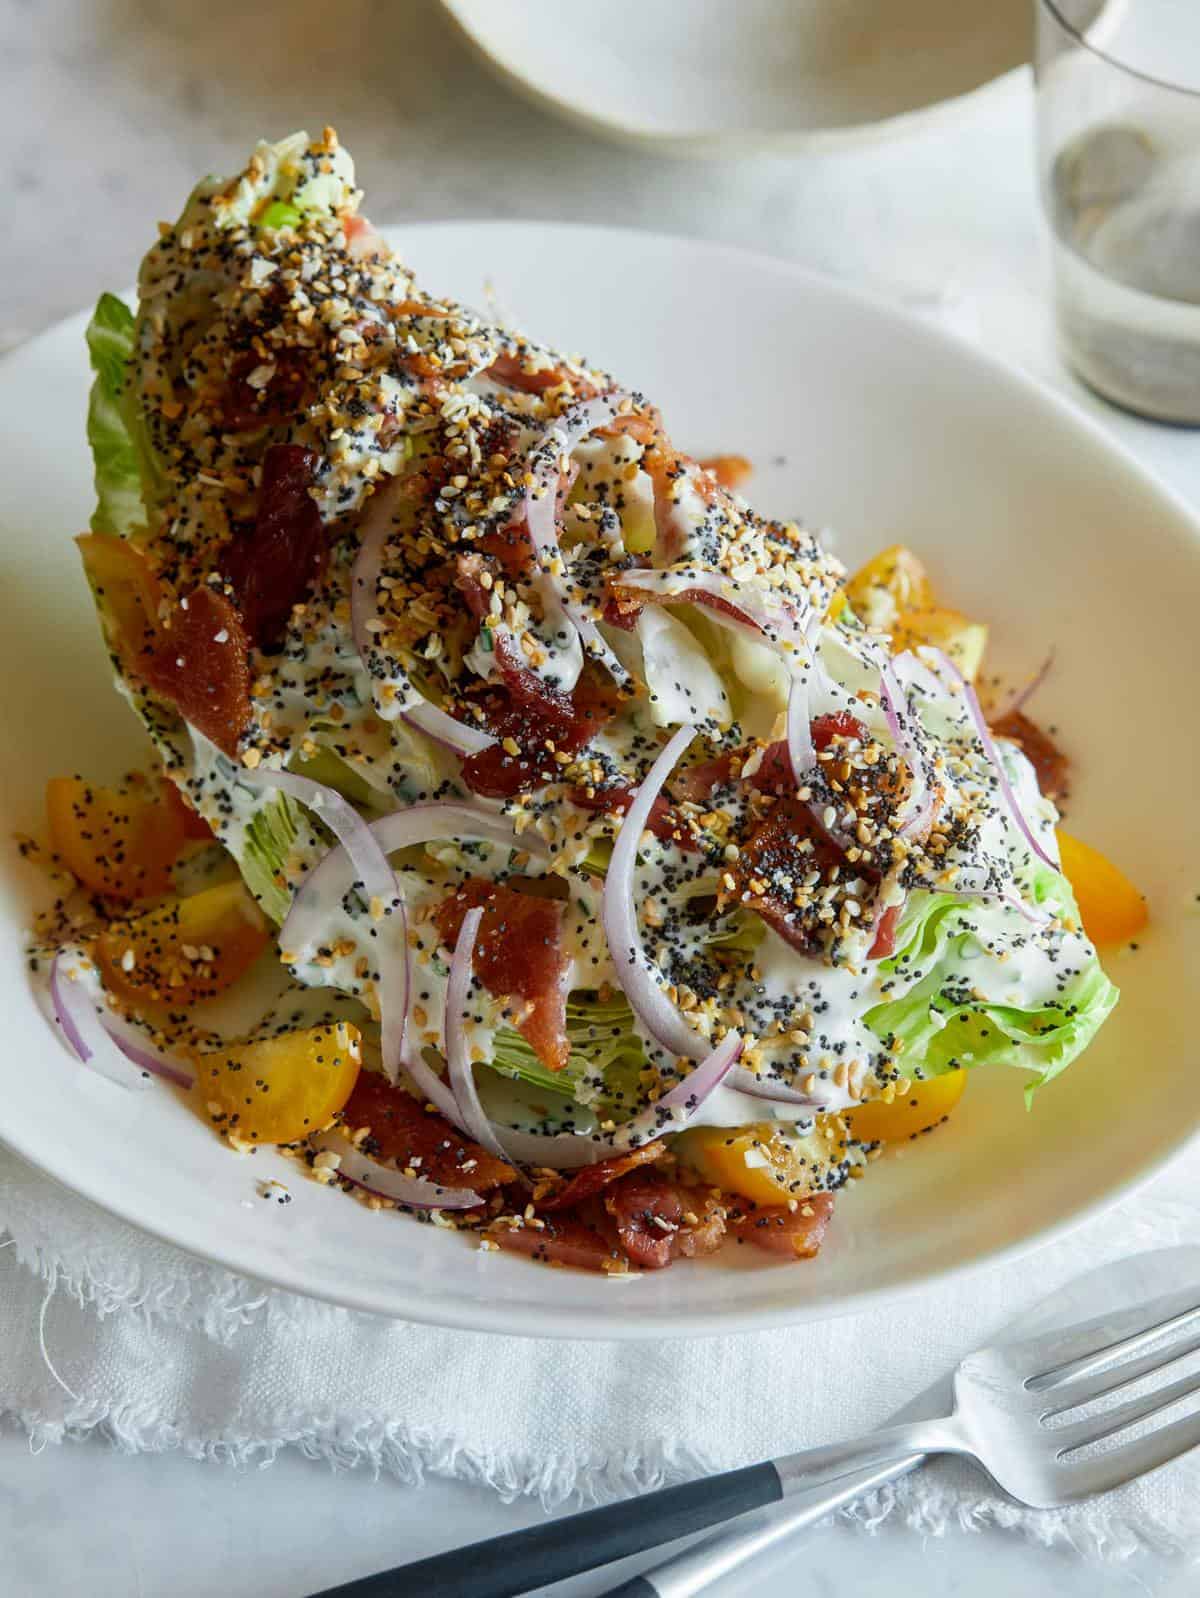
column 114, row 106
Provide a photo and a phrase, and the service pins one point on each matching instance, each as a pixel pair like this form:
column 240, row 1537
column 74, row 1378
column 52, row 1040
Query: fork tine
column 1122, row 1464
column 1080, row 1349
column 1095, row 1427
column 1071, row 1392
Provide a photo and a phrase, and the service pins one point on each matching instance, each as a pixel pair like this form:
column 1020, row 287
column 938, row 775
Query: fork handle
column 683, row 1575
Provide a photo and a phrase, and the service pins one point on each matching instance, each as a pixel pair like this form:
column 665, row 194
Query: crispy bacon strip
column 401, row 1130
column 518, row 956
column 651, row 1216
column 594, row 1179
column 795, row 1234
column 272, row 568
column 617, row 797
column 561, row 1240
column 1052, row 767
column 199, row 662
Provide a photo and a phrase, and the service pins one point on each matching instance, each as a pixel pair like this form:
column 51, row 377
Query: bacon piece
column 1052, row 767
column 363, row 243
column 272, row 568
column 594, row 1179
column 529, row 712
column 774, row 846
column 885, row 934
column 245, row 406
column 838, row 724
column 401, row 1130
column 648, row 1212
column 773, row 773
column 199, row 662
column 792, row 1233
column 652, row 1219
column 508, row 371
column 518, row 955
column 663, row 822
column 731, row 471
column 563, row 1240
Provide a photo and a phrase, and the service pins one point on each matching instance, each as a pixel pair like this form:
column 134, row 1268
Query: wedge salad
column 630, row 875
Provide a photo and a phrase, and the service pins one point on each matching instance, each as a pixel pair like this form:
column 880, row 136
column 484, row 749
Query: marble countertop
column 113, row 107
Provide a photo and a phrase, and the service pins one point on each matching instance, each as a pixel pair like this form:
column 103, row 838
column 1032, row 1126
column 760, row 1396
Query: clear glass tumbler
column 1118, row 108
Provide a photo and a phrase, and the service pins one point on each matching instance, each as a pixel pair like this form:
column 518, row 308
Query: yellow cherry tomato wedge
column 120, row 575
column 119, row 842
column 890, row 583
column 948, row 630
column 278, row 1090
column 757, row 1162
column 1110, row 907
column 183, row 951
column 924, row 1105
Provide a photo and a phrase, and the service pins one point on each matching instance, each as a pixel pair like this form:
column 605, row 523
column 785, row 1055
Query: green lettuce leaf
column 114, row 453
column 269, row 839
column 941, row 1024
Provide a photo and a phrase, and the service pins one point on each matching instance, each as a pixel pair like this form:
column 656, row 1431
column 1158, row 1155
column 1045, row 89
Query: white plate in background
column 725, row 77
column 859, row 417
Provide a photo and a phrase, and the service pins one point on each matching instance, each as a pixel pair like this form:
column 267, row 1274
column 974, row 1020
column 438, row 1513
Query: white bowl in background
column 727, row 77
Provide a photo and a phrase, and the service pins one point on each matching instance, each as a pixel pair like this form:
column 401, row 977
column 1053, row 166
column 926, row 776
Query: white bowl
column 859, row 417
column 724, row 77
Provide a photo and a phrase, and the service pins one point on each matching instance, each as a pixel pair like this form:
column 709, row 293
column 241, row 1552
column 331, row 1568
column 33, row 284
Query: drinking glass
column 1118, row 113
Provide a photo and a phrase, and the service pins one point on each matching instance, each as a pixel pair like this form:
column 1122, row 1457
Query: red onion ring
column 410, row 705
column 97, row 1042
column 351, row 831
column 543, row 464
column 569, row 1151
column 993, row 754
column 415, row 1192
column 458, row 736
column 638, row 976
column 899, row 714
column 1024, row 695
column 744, row 1081
column 454, row 1039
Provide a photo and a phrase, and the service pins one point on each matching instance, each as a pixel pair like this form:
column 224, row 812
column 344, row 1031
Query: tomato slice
column 119, row 842
column 1110, row 907
column 278, row 1090
column 184, row 951
column 925, row 1105
column 120, row 575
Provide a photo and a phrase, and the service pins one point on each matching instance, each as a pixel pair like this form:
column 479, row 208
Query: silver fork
column 1010, row 1407
column 1010, row 1404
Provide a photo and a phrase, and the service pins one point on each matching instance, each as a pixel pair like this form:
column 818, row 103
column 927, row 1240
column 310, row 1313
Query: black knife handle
column 519, row 1561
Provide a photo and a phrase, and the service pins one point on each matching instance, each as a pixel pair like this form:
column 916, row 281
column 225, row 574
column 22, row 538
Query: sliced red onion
column 690, row 1093
column 454, row 1038
column 415, row 1192
column 351, row 831
column 445, row 729
column 993, row 754
column 544, row 465
column 95, row 1041
column 802, row 753
column 919, row 805
column 744, row 1081
column 147, row 1058
column 410, row 705
column 570, row 1151
column 636, row 973
column 1024, row 695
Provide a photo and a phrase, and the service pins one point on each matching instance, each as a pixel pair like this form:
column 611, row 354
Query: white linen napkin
column 103, row 1329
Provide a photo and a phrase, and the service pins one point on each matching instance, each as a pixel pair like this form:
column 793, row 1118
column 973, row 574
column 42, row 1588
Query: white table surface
column 112, row 109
